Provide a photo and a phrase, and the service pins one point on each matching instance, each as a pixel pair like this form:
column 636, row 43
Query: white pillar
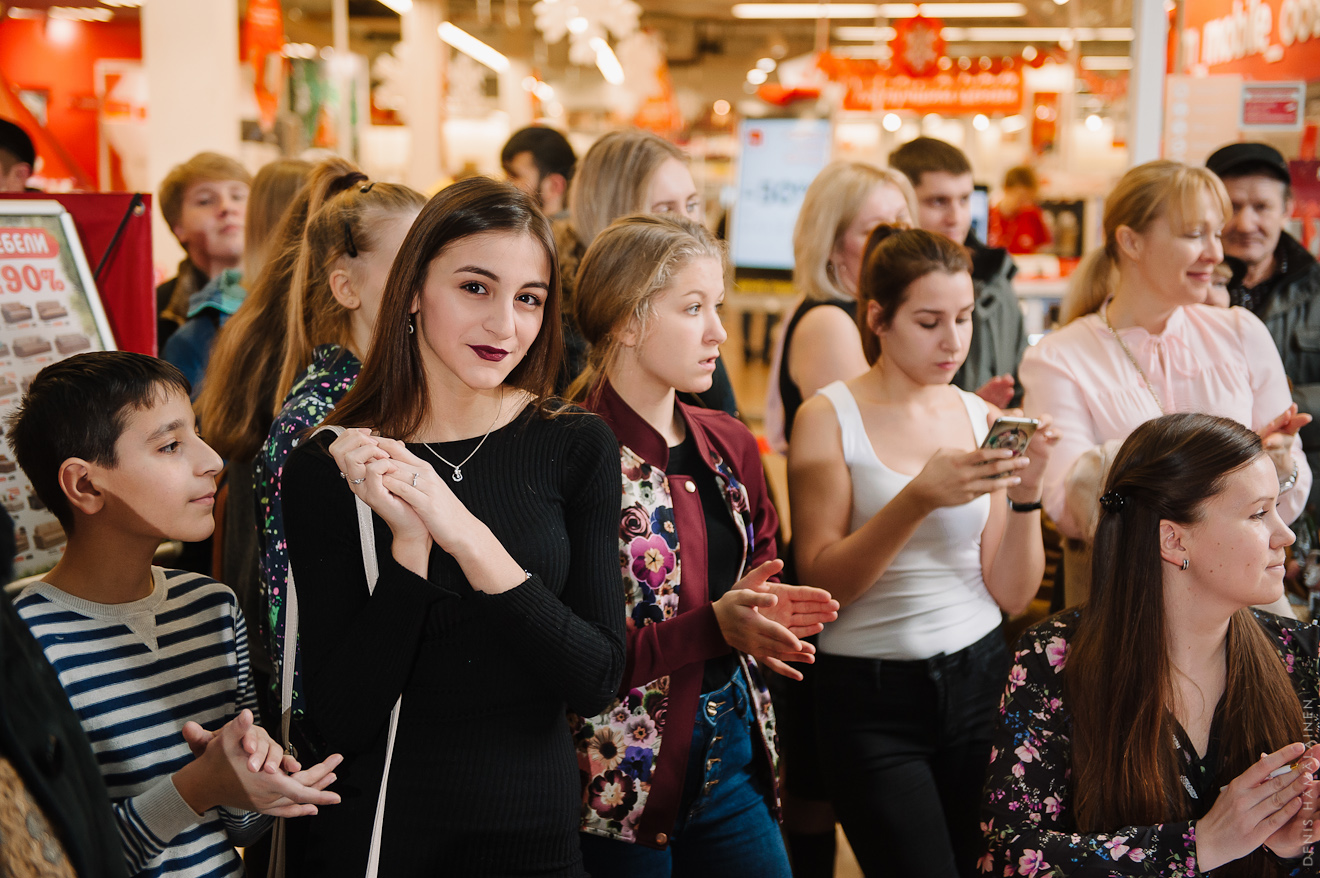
column 1146, row 85
column 190, row 53
column 342, row 68
column 424, row 66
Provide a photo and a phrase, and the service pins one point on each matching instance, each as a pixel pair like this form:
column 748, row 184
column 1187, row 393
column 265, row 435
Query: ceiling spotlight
column 981, row 122
column 756, row 76
column 892, row 122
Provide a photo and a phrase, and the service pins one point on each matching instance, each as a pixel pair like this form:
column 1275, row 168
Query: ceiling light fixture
column 1106, row 62
column 607, row 62
column 79, row 13
column 881, row 10
column 472, row 47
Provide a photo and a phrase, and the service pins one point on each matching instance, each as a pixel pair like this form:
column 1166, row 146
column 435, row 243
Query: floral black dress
column 1027, row 815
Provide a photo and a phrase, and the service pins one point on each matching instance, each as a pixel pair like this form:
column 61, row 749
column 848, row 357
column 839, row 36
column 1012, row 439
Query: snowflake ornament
column 585, row 20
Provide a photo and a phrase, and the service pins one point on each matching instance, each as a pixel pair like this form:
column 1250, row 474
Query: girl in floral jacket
column 1142, row 734
column 679, row 769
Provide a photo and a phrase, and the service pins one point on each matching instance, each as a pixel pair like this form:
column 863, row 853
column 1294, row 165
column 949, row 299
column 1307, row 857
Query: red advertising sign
column 1273, row 106
column 951, row 93
column 26, row 242
column 1264, row 40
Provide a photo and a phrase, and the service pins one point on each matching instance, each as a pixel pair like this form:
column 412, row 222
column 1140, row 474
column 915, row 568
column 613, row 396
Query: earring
column 1187, row 562
column 412, row 323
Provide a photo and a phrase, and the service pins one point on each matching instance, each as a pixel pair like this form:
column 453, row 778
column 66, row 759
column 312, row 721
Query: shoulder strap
column 852, row 431
column 371, row 566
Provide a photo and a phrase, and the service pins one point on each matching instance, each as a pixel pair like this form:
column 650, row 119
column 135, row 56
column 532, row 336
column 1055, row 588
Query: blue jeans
column 724, row 827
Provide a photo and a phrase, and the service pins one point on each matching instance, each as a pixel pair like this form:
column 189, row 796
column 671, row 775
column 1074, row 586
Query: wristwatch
column 1024, row 507
column 1288, row 483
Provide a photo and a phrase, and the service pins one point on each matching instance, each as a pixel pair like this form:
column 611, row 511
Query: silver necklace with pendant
column 458, row 467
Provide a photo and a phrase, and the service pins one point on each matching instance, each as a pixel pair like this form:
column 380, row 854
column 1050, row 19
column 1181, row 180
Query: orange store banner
column 1264, row 40
column 943, row 93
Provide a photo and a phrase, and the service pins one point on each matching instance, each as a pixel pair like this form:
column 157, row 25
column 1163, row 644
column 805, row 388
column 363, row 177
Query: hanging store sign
column 1264, row 40
column 1272, row 106
column 951, row 93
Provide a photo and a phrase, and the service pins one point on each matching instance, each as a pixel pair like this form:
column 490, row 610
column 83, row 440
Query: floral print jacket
column 312, row 397
column 633, row 773
column 1027, row 815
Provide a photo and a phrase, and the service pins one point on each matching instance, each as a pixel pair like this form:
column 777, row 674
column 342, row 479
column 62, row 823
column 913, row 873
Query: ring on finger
column 357, row 481
column 414, row 480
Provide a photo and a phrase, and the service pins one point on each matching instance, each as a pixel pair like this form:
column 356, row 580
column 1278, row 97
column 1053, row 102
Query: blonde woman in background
column 822, row 345
column 1138, row 342
column 626, row 172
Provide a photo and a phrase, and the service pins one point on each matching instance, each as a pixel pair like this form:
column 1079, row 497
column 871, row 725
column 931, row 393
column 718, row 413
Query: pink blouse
column 1220, row 361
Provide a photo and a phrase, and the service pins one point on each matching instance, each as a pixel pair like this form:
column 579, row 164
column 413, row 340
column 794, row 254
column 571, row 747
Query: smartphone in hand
column 1010, row 433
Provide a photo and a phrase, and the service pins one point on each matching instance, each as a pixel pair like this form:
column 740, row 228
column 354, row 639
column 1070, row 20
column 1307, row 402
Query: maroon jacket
column 633, row 784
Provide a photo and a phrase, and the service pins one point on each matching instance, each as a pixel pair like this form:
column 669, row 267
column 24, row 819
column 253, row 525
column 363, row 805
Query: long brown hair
column 391, row 393
column 345, row 221
column 895, row 258
column 623, row 270
column 273, row 190
column 239, row 400
column 1119, row 678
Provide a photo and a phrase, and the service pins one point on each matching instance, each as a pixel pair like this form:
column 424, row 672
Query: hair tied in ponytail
column 1112, row 501
column 343, row 183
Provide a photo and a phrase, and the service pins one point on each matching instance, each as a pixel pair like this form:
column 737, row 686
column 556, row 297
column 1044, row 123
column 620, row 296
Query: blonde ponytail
column 1091, row 284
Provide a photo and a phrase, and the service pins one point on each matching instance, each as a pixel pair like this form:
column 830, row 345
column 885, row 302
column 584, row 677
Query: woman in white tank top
column 900, row 515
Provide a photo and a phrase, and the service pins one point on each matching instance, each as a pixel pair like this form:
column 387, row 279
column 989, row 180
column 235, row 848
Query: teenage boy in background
column 204, row 202
column 942, row 178
column 149, row 658
column 1274, row 277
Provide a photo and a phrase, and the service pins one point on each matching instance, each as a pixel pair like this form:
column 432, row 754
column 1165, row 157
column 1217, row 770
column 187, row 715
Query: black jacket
column 1289, row 305
column 999, row 337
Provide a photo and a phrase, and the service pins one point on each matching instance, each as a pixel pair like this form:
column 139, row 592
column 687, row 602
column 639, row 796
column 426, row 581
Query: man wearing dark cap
column 18, row 157
column 540, row 162
column 1280, row 280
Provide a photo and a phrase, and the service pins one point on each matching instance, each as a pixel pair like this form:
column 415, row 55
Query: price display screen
column 49, row 310
column 777, row 160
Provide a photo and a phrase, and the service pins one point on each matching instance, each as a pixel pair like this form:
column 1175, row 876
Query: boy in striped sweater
column 155, row 662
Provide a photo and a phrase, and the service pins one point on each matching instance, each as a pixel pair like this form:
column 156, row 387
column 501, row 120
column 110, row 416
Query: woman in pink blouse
column 1137, row 344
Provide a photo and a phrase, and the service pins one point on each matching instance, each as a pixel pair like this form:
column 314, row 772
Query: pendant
column 458, row 474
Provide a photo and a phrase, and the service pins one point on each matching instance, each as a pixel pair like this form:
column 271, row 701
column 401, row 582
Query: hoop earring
column 1187, row 562
column 412, row 323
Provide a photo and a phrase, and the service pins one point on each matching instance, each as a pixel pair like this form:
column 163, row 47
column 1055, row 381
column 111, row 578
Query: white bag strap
column 371, row 566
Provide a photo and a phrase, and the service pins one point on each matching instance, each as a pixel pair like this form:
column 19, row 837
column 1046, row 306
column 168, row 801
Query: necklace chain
column 458, row 467
column 1104, row 313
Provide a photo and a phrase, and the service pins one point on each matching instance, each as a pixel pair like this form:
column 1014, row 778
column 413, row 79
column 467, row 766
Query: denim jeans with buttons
column 724, row 828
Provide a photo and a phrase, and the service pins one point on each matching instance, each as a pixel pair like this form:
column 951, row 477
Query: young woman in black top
column 498, row 606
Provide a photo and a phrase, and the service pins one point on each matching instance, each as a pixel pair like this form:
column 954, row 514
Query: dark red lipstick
column 489, row 353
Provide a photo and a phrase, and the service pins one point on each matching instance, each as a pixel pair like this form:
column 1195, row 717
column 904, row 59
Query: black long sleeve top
column 484, row 780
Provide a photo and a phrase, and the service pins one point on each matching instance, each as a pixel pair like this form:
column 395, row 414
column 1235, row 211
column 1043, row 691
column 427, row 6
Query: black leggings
column 905, row 745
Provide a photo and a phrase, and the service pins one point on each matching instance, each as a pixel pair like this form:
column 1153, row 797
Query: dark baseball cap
column 1231, row 159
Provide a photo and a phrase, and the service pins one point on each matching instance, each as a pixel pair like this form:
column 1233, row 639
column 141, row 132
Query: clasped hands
column 240, row 766
column 767, row 619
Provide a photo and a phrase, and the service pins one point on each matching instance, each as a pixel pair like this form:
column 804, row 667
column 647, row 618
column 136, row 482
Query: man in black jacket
column 1280, row 280
column 942, row 179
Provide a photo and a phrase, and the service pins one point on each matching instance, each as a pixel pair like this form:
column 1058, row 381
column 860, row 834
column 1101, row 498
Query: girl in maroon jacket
column 679, row 770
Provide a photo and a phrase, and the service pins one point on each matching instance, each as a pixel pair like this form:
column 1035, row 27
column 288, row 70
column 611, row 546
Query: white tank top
column 932, row 599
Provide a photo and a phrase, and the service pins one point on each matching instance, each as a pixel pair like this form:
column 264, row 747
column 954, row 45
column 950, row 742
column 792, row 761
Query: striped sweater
column 135, row 673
